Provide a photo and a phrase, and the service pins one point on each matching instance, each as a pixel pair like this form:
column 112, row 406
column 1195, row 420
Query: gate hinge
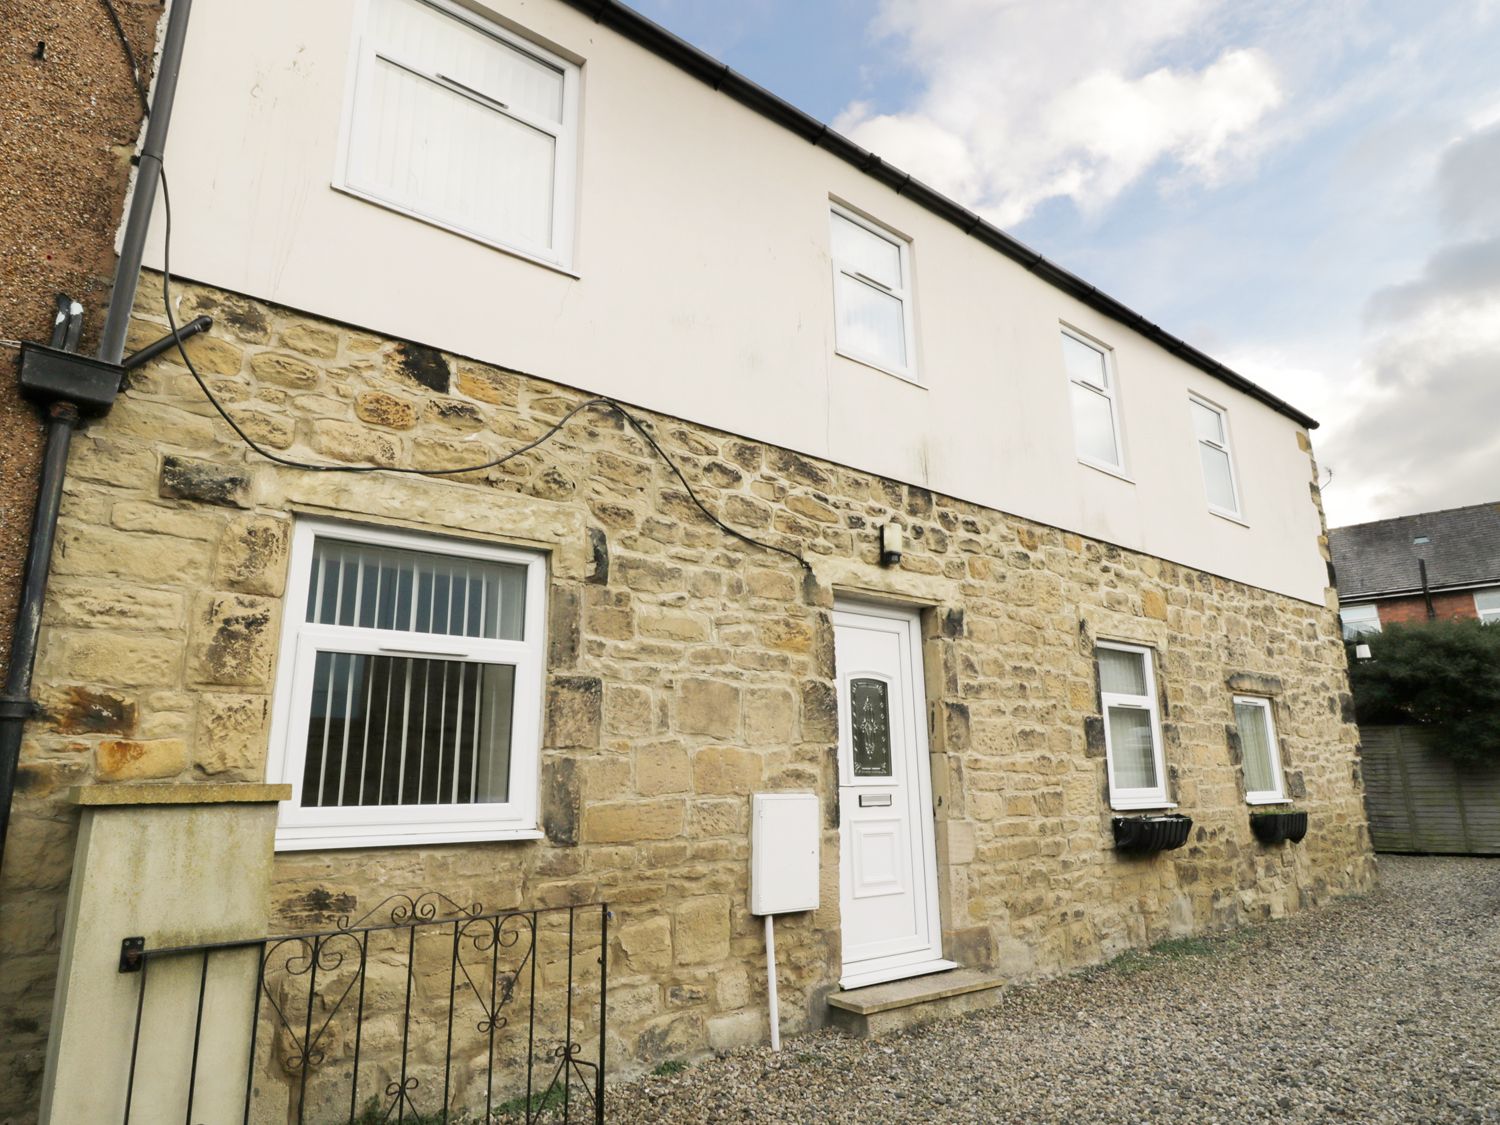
column 132, row 954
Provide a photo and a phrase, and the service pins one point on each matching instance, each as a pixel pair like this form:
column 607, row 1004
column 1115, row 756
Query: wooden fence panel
column 1419, row 801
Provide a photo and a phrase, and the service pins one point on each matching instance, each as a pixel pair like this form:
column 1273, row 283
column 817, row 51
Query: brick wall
column 684, row 670
column 1457, row 605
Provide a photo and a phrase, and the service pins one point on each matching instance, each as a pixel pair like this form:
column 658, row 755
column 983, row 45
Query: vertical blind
column 401, row 730
column 1253, row 723
column 388, row 729
column 1122, row 673
column 1131, row 742
column 369, row 587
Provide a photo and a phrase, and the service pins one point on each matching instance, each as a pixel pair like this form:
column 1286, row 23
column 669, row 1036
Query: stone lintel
column 1255, row 683
column 176, row 793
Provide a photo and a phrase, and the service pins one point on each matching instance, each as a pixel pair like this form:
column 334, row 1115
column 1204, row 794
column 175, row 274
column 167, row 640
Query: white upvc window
column 1132, row 727
column 1487, row 605
column 1260, row 756
column 872, row 294
column 408, row 696
column 1096, row 413
column 1357, row 620
column 456, row 121
column 1211, row 428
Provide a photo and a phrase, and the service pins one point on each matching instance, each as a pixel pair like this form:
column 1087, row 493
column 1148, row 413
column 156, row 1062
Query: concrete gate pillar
column 177, row 865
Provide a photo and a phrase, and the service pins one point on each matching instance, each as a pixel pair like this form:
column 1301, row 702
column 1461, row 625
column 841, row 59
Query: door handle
column 874, row 800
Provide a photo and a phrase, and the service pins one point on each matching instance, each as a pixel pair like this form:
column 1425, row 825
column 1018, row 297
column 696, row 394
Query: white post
column 771, row 982
column 177, row 864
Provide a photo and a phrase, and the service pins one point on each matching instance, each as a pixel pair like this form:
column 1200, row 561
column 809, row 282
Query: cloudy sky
column 1308, row 190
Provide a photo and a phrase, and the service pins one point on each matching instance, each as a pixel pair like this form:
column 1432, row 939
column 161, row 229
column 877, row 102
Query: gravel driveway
column 1383, row 1008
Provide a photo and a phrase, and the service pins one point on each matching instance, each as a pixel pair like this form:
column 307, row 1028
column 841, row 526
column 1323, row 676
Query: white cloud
column 1028, row 101
column 1422, row 433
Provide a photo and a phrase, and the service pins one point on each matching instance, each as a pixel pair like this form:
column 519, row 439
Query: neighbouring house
column 1410, row 570
column 1418, row 568
column 902, row 515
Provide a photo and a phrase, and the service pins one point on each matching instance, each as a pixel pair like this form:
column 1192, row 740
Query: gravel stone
column 1383, row 1007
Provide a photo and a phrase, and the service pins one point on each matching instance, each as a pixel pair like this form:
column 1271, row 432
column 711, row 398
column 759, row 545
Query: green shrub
column 1443, row 676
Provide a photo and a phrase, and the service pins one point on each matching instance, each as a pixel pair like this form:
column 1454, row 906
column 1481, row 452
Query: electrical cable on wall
column 135, row 70
column 604, row 404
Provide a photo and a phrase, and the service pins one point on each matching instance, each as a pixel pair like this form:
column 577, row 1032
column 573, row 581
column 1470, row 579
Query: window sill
column 1266, row 799
column 876, row 365
column 325, row 839
column 1230, row 516
column 1107, row 470
column 510, row 251
column 1153, row 805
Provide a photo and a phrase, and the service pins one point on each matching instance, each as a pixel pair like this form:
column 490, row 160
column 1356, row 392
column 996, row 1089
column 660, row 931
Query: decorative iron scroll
column 401, row 1014
column 870, row 727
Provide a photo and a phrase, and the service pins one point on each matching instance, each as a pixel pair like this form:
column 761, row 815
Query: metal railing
column 414, row 1017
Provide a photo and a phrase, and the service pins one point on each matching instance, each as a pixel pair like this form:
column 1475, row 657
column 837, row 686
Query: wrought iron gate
column 420, row 1010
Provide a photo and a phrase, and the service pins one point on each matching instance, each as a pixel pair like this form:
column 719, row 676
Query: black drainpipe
column 1426, row 590
column 68, row 386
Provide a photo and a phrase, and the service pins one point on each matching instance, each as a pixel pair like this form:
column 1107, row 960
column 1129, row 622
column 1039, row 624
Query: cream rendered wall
column 703, row 289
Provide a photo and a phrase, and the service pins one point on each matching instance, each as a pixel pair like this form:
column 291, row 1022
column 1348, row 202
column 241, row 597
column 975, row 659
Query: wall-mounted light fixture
column 890, row 544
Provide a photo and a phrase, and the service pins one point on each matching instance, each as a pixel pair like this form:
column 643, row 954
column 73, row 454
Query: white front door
column 888, row 866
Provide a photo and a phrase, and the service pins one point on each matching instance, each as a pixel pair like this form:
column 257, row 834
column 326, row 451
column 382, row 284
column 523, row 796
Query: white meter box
column 783, row 853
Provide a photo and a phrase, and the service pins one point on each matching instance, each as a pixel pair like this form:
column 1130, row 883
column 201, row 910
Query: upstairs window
column 1358, row 620
column 1212, row 431
column 460, row 123
column 1132, row 727
column 1487, row 605
column 1096, row 418
column 872, row 294
column 409, row 693
column 1259, row 754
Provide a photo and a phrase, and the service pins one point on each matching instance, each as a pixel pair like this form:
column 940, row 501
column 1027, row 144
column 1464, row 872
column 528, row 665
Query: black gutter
column 1415, row 591
column 67, row 386
column 147, row 177
column 661, row 42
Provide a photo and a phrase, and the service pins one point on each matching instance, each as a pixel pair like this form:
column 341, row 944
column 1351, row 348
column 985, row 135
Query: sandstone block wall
column 685, row 669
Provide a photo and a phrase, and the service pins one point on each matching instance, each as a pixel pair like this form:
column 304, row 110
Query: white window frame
column 906, row 294
column 565, row 170
column 300, row 828
column 1488, row 615
column 1354, row 629
column 1139, row 798
column 1110, row 392
column 1275, row 796
column 1227, row 448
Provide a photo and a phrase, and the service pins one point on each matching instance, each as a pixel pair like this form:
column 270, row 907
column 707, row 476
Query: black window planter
column 1274, row 827
column 1151, row 833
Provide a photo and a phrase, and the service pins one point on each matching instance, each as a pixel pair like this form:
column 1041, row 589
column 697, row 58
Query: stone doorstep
column 882, row 1008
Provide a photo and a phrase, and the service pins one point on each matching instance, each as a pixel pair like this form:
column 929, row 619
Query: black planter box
column 1152, row 833
column 1273, row 828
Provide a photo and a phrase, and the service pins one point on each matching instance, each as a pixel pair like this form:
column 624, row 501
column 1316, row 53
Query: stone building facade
column 684, row 671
